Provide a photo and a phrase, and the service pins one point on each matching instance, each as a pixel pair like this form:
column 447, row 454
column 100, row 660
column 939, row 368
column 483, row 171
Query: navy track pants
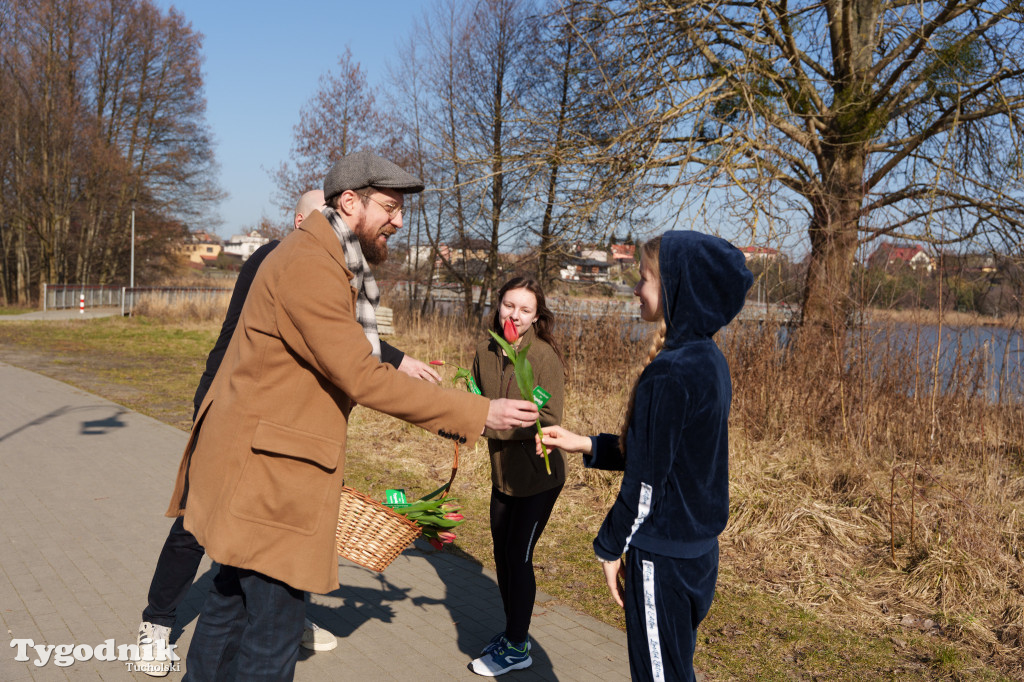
column 666, row 599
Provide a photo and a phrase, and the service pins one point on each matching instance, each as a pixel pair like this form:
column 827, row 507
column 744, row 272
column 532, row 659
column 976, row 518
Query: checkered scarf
column 364, row 283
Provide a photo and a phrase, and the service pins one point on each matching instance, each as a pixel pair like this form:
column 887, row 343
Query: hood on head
column 704, row 282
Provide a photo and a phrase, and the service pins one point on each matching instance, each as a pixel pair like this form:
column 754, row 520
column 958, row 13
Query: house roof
column 623, row 251
column 203, row 237
column 759, row 250
column 897, row 252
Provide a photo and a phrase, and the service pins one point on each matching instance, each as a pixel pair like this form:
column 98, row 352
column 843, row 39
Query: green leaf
column 506, row 346
column 439, row 522
column 524, row 375
column 431, row 496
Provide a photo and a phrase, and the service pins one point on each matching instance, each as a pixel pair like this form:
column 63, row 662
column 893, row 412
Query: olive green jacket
column 516, row 469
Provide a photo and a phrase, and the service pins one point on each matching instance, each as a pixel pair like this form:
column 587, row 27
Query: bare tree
column 145, row 91
column 849, row 119
column 562, row 112
column 446, row 208
column 339, row 118
column 103, row 111
column 476, row 67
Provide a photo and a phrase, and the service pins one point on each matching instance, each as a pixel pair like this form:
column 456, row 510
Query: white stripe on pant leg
column 651, row 619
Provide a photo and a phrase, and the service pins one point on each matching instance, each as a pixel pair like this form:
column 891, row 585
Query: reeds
column 884, row 487
column 180, row 307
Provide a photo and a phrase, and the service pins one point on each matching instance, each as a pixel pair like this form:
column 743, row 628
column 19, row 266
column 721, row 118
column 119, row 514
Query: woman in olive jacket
column 523, row 493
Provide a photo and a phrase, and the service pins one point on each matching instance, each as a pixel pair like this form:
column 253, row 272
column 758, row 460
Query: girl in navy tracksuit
column 674, row 452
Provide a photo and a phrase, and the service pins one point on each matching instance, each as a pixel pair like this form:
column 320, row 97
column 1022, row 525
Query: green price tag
column 540, row 397
column 473, row 388
column 395, row 498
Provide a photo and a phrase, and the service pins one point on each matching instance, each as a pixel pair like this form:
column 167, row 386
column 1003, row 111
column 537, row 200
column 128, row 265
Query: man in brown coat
column 269, row 438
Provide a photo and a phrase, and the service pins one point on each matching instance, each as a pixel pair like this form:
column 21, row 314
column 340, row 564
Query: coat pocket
column 286, row 478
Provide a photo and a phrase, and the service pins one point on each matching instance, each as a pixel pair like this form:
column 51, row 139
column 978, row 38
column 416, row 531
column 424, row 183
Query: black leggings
column 516, row 525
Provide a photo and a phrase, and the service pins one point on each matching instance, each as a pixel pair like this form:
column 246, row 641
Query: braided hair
column 649, row 252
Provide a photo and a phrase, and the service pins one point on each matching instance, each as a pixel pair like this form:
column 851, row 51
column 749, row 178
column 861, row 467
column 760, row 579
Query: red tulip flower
column 436, row 544
column 446, row 536
column 454, row 517
column 511, row 333
column 439, row 363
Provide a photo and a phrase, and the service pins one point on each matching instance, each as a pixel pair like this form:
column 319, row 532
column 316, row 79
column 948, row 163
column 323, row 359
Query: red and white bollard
column 81, row 304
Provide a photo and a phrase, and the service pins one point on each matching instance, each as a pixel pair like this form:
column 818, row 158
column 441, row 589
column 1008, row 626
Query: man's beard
column 374, row 252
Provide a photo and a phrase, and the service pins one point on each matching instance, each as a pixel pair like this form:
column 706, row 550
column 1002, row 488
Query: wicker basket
column 369, row 533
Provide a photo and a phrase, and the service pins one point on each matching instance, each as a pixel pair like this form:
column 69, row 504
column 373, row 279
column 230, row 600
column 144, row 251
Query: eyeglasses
column 391, row 208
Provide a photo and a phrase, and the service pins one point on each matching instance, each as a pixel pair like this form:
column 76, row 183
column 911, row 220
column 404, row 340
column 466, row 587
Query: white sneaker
column 502, row 658
column 316, row 638
column 155, row 649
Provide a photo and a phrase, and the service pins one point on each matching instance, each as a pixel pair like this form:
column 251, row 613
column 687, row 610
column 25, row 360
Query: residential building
column 969, row 262
column 762, row 253
column 623, row 255
column 890, row 255
column 201, row 247
column 243, row 245
column 584, row 270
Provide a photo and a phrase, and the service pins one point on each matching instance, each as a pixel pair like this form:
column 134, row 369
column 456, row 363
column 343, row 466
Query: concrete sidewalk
column 62, row 314
column 83, row 486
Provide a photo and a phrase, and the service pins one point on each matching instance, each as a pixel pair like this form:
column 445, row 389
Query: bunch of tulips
column 436, row 516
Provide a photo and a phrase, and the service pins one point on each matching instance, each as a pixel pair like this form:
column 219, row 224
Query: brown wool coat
column 264, row 465
column 516, row 469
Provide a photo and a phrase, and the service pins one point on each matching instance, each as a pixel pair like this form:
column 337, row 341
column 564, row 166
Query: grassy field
column 873, row 535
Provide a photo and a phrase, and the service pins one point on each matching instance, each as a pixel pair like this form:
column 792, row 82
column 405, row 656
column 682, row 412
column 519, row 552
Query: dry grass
column 868, row 494
column 173, row 308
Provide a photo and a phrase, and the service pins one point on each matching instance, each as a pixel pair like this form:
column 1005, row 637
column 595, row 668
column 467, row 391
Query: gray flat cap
column 365, row 169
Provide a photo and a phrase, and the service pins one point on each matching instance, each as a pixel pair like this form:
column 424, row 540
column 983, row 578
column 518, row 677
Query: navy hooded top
column 674, row 499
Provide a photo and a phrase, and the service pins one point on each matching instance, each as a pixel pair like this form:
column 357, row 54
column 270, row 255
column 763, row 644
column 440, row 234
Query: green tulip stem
column 543, row 448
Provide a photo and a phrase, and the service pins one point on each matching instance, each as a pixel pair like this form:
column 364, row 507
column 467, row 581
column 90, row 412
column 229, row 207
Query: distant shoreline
column 950, row 318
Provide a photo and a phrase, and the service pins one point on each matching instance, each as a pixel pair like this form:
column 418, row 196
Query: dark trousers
column 666, row 599
column 516, row 525
column 176, row 568
column 251, row 618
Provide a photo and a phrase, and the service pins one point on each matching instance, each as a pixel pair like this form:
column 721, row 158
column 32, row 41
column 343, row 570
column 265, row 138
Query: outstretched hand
column 418, row 369
column 564, row 440
column 505, row 413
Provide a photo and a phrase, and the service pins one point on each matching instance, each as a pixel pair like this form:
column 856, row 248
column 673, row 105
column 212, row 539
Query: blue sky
column 263, row 60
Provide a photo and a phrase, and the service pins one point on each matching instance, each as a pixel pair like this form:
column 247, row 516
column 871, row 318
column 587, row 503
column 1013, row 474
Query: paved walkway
column 83, row 486
column 62, row 314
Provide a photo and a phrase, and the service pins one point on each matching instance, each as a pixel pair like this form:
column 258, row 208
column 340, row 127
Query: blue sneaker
column 495, row 641
column 503, row 657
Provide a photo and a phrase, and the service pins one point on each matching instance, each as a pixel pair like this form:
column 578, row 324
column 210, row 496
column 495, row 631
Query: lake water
column 990, row 359
column 996, row 352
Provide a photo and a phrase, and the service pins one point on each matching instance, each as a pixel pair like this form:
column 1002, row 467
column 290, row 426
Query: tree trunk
column 827, row 302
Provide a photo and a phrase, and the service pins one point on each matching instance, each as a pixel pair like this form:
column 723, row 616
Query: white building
column 244, row 244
